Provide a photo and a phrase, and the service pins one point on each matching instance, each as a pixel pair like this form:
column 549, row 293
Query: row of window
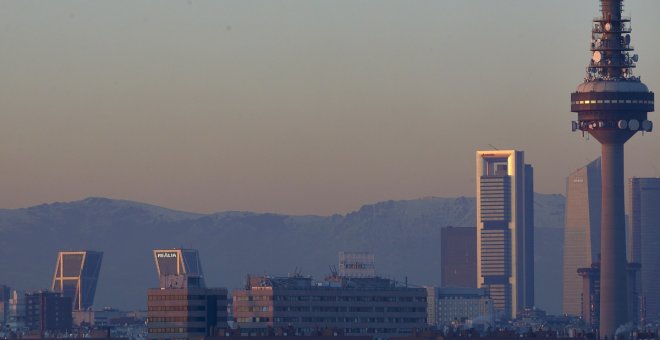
column 177, row 330
column 175, row 308
column 256, row 319
column 331, row 298
column 309, row 330
column 254, row 298
column 323, row 309
column 175, row 297
column 252, row 309
column 175, row 318
column 325, row 320
column 613, row 101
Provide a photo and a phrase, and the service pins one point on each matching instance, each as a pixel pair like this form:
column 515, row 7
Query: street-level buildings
column 453, row 307
column 354, row 306
column 48, row 312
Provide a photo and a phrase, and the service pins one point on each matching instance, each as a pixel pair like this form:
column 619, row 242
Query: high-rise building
column 581, row 231
column 458, row 257
column 352, row 306
column 182, row 307
column 48, row 312
column 505, row 230
column 76, row 275
column 612, row 105
column 644, row 243
column 179, row 268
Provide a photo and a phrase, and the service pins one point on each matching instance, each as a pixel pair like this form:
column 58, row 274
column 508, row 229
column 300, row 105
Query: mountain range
column 403, row 235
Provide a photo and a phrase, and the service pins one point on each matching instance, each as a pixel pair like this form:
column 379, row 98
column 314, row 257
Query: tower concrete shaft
column 613, row 274
column 612, row 105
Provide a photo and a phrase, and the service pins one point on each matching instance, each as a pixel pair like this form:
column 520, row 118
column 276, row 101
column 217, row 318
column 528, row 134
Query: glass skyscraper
column 178, row 268
column 644, row 241
column 581, row 231
column 76, row 275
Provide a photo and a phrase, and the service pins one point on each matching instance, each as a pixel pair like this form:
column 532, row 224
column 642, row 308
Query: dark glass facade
column 458, row 257
column 76, row 276
column 48, row 312
column 581, row 231
column 644, row 245
column 183, row 313
column 354, row 306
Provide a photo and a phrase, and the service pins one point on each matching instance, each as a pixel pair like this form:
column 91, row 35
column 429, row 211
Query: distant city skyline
column 298, row 108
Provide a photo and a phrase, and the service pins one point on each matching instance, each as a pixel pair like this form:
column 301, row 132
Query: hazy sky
column 305, row 107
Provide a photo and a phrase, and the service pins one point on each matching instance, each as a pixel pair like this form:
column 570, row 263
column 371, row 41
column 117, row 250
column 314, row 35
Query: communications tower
column 612, row 105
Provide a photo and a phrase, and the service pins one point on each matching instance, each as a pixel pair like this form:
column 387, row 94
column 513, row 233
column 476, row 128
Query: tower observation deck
column 612, row 105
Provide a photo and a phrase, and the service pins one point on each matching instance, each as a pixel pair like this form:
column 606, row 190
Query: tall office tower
column 612, row 105
column 582, row 230
column 179, row 268
column 357, row 264
column 458, row 257
column 505, row 239
column 645, row 239
column 76, row 275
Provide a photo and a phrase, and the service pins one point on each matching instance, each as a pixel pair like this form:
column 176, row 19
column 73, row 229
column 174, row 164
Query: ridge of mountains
column 404, row 236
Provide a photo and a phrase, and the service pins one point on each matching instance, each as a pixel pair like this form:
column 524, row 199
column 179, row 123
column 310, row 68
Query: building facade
column 590, row 299
column 505, row 230
column 76, row 275
column 48, row 312
column 186, row 313
column 16, row 318
column 454, row 307
column 581, row 231
column 644, row 243
column 182, row 307
column 354, row 306
column 458, row 259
